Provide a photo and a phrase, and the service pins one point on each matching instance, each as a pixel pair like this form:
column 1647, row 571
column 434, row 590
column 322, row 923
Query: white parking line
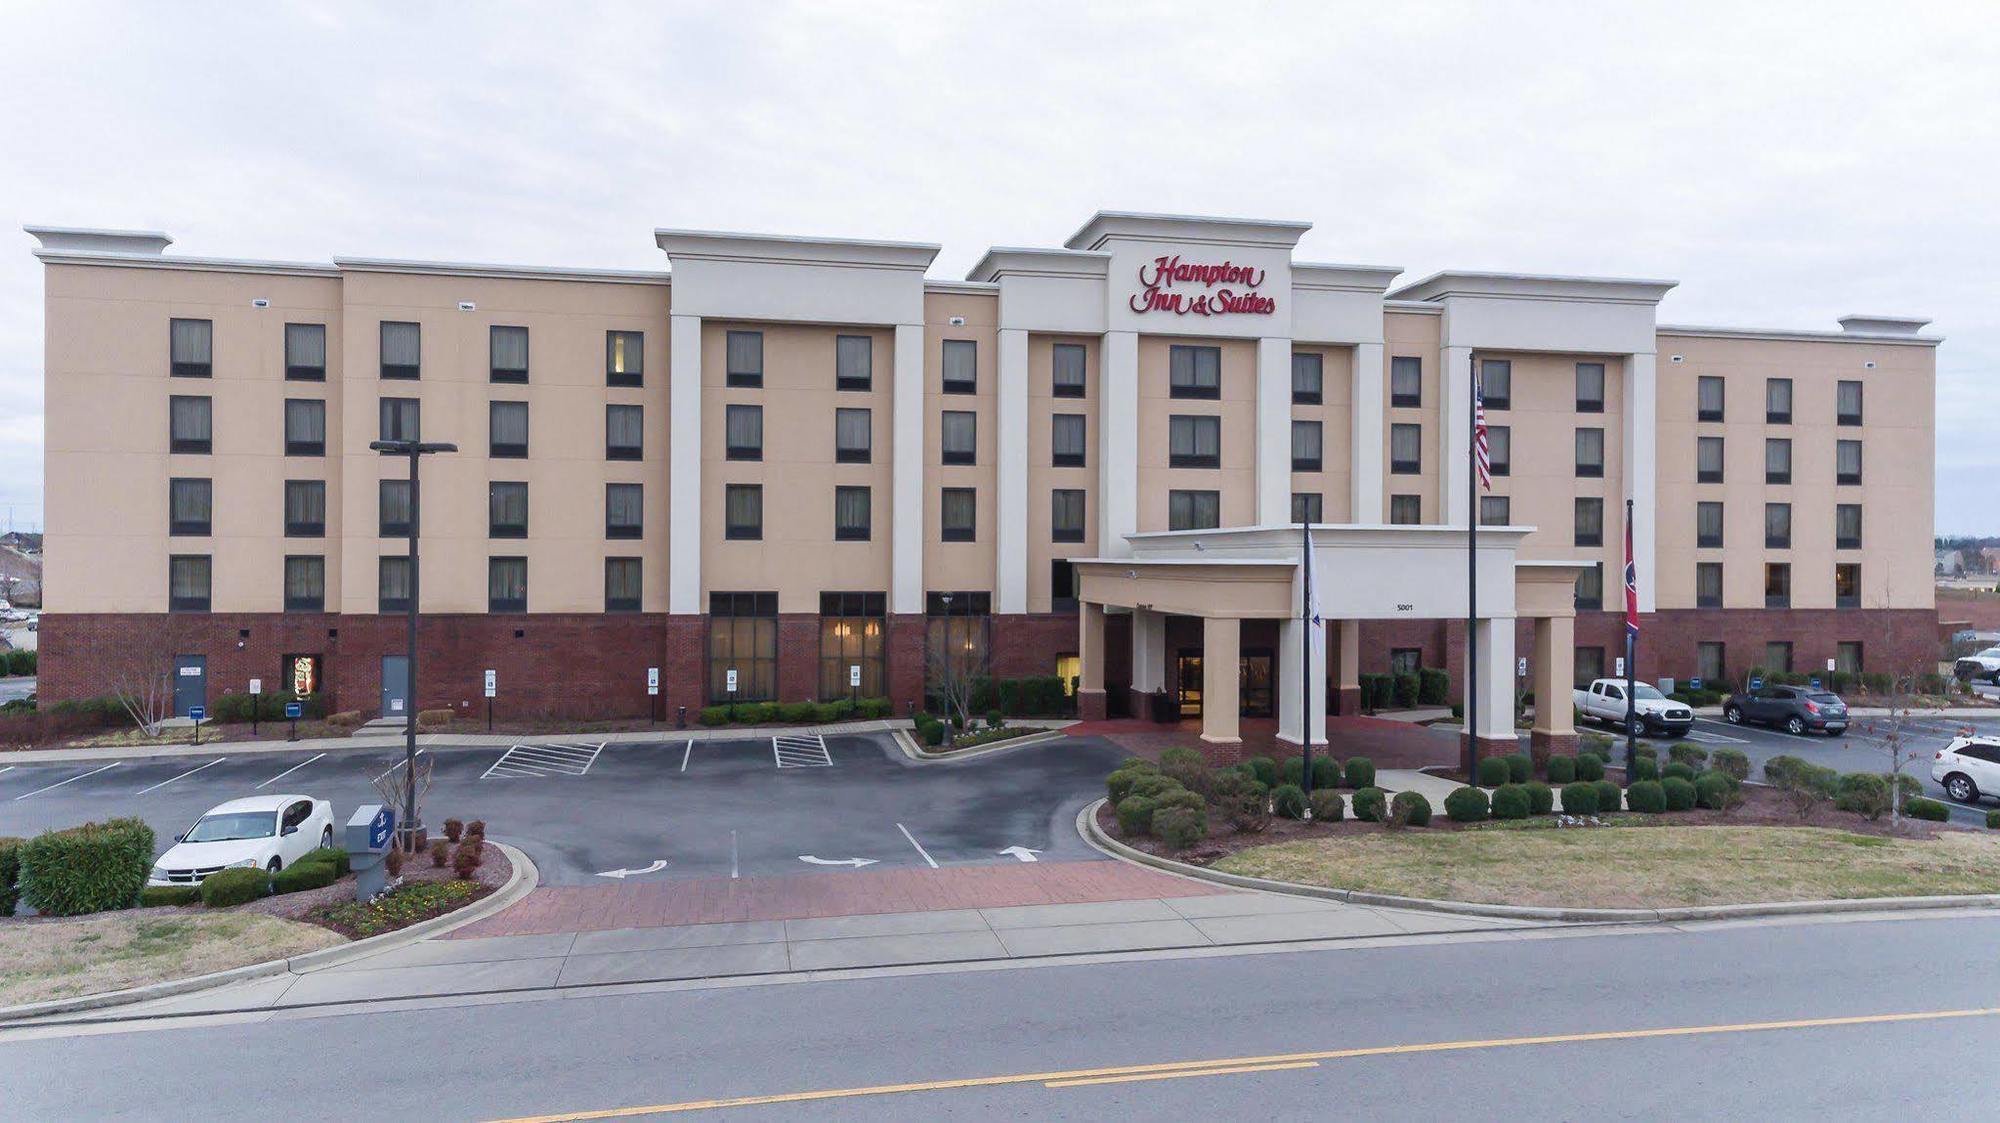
column 918, row 845
column 686, row 753
column 800, row 750
column 182, row 776
column 543, row 761
column 10, row 767
column 399, row 764
column 292, row 769
column 732, row 851
column 1767, row 729
column 71, row 780
column 1714, row 738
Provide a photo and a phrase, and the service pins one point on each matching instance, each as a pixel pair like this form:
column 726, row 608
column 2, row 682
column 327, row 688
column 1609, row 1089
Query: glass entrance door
column 1254, row 682
column 1188, row 675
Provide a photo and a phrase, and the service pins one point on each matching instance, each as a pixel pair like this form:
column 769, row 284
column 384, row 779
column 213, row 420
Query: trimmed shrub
column 1561, row 769
column 1609, row 798
column 1643, row 769
column 1292, row 771
column 1409, row 688
column 1579, row 798
column 1179, row 797
column 1694, row 756
column 1993, row 820
column 224, row 888
column 1326, row 772
column 1678, row 771
column 1646, row 796
column 1930, row 810
column 1520, row 768
column 1289, row 800
column 1359, row 773
column 345, row 718
column 1181, row 827
column 434, row 719
column 1409, row 809
column 798, row 713
column 994, row 719
column 1245, row 801
column 303, row 875
column 1678, row 793
column 1327, row 806
column 330, row 856
column 440, row 853
column 1541, row 797
column 467, row 858
column 1433, row 687
column 1118, row 785
column 1493, row 772
column 1188, row 768
column 872, row 709
column 1864, row 793
column 1265, row 769
column 713, row 715
column 1466, row 805
column 10, row 874
column 392, row 860
column 270, row 707
column 1907, row 786
column 1783, row 769
column 1177, row 757
column 1713, row 790
column 1135, row 815
column 1152, row 785
column 453, row 828
column 1370, row 804
column 1806, row 785
column 158, row 896
column 476, row 827
column 1510, row 801
column 86, row 869
column 1590, row 767
column 932, row 731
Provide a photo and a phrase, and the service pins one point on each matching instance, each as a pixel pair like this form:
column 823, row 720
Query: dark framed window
column 1708, row 398
column 305, row 352
column 188, row 578
column 742, row 647
column 1847, row 462
column 1708, row 460
column 1590, row 589
column 507, row 430
column 1066, row 515
column 1406, row 660
column 305, row 427
column 392, row 507
column 961, row 366
column 1194, row 441
column 305, row 508
column 305, row 583
column 958, row 514
column 853, row 436
column 1067, row 440
column 743, row 432
column 402, row 349
column 1194, row 510
column 743, row 359
column 1778, row 657
column 958, row 631
column 743, row 512
column 1406, row 381
column 190, row 424
column 1308, row 378
column 1590, row 387
column 1708, row 524
column 622, row 584
column 402, row 419
column 507, row 509
column 1406, row 449
column 1847, row 657
column 1777, row 585
column 1590, row 453
column 1496, row 383
column 1847, row 585
column 1708, row 584
column 1062, row 585
column 1194, row 372
column 1777, row 526
column 624, row 511
column 1306, row 507
column 1847, row 403
column 958, row 437
column 1495, row 510
column 850, row 638
column 852, row 517
column 191, row 348
column 1406, row 510
column 1777, row 460
column 624, row 433
column 507, row 353
column 1500, row 449
column 1710, row 661
column 624, row 358
column 392, row 583
column 1067, row 377
column 507, row 584
column 1589, row 521
column 853, row 362
column 190, row 507
column 1778, row 401
column 1587, row 665
column 1847, row 526
column 1308, row 443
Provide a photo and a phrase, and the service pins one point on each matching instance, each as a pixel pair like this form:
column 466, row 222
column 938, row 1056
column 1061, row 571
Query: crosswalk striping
column 801, row 750
column 543, row 761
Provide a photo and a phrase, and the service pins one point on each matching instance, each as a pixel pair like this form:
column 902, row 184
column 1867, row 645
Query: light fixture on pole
column 416, row 450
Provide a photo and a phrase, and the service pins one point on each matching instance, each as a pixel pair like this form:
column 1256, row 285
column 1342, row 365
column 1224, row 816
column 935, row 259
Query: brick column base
column 1090, row 705
column 1490, row 746
column 1542, row 746
column 1347, row 700
column 1221, row 753
column 1149, row 705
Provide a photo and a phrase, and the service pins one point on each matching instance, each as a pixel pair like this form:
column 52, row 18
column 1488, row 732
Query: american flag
column 1480, row 452
column 1631, row 587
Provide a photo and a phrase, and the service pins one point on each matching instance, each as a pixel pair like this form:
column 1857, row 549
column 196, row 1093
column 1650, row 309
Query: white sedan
column 269, row 832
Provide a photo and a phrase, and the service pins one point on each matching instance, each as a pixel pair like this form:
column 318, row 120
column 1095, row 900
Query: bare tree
column 1892, row 733
column 394, row 785
column 140, row 675
column 951, row 682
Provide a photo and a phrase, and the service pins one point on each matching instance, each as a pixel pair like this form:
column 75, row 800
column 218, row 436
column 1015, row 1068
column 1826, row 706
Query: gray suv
column 1795, row 709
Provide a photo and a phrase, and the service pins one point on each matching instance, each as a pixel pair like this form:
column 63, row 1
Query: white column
column 1010, row 530
column 1641, row 406
column 1118, row 445
column 1455, row 442
column 1292, row 692
column 1494, row 640
column 1274, row 432
column 1149, row 651
column 684, row 465
column 906, row 489
column 1369, row 425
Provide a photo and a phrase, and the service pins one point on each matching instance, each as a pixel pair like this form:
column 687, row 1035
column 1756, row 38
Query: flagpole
column 1471, row 753
column 1305, row 659
column 1631, row 573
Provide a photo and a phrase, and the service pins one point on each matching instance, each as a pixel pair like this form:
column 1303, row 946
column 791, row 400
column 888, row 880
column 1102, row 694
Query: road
column 12, row 688
column 1647, row 1024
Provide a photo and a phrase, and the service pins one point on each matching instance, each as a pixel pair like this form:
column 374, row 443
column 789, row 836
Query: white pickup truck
column 1656, row 714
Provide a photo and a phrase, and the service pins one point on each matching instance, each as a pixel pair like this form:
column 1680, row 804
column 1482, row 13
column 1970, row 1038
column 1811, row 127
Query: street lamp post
column 415, row 450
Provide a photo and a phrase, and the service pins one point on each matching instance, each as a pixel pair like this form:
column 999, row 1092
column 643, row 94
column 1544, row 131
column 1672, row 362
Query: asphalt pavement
column 12, row 688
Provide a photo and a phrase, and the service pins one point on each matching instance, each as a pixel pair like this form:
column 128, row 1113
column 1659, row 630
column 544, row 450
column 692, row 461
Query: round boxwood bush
column 1644, row 770
column 1678, row 793
column 1289, row 800
column 1609, row 798
column 1711, row 790
column 1520, row 768
column 1118, row 785
column 1732, row 763
column 1510, row 801
column 234, row 887
column 1580, row 798
column 1292, row 770
column 1370, row 804
column 1678, row 771
column 1135, row 815
column 10, row 874
column 1993, row 820
column 1265, row 769
column 1176, row 756
column 1410, row 809
column 1466, row 805
column 1360, row 773
column 1180, row 827
column 1152, row 785
column 304, row 875
column 1646, row 796
column 1864, row 793
column 1561, row 769
column 1928, row 809
column 1541, row 797
column 1492, row 772
column 1590, row 766
column 1327, row 806
column 1326, row 772
column 86, row 869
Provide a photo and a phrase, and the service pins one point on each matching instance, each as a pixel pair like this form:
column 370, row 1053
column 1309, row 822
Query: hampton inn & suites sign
column 1168, row 284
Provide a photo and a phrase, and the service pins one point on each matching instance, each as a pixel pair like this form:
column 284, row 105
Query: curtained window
column 305, row 583
column 1067, row 379
column 402, row 349
column 743, row 512
column 188, row 582
column 1777, row 460
column 1406, row 510
column 624, row 433
column 621, row 584
column 1847, row 585
column 1778, row 401
column 624, row 358
column 744, row 359
column 1847, row 526
column 1406, row 381
column 1848, row 404
column 190, row 506
column 1308, row 378
column 305, row 508
column 1708, row 460
column 393, row 508
column 1590, row 453
column 850, row 641
column 506, row 584
column 1194, row 372
column 1777, row 526
column 1306, row 507
column 305, row 352
column 1708, row 398
column 958, row 514
column 1500, row 449
column 853, row 439
column 1307, row 443
column 507, row 353
column 1708, row 525
column 1194, row 441
column 1495, row 510
column 1496, row 383
column 624, row 515
column 1708, row 585
column 1066, row 440
column 1590, row 387
column 1847, row 657
column 959, row 438
column 851, row 514
column 1406, row 455
column 305, row 427
column 743, row 432
column 1590, row 589
column 1778, row 590
column 392, row 584
column 507, row 430
column 402, row 419
column 191, row 348
column 507, row 510
column 1589, row 521
column 1194, row 510
column 1847, row 462
column 190, row 424
column 853, row 362
column 961, row 366
column 1066, row 515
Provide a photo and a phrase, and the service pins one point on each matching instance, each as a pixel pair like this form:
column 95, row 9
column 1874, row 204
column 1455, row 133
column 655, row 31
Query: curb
column 921, row 755
column 1095, row 836
column 525, row 877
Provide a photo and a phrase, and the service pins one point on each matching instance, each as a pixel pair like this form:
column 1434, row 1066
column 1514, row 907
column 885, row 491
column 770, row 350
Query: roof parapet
column 84, row 239
column 1882, row 325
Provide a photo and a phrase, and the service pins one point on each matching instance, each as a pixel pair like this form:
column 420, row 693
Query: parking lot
column 586, row 812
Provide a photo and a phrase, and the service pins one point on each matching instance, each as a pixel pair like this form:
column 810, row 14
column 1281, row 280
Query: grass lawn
column 43, row 960
column 1633, row 867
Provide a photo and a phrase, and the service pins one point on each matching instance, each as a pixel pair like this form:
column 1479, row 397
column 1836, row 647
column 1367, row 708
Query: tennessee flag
column 1631, row 586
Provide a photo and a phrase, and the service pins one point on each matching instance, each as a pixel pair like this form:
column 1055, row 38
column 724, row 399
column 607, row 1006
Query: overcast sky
column 1788, row 165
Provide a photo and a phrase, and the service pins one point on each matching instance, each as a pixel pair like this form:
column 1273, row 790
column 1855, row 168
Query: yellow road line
column 1196, row 1068
column 1176, row 1075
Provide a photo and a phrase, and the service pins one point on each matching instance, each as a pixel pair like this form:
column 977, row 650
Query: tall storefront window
column 850, row 641
column 957, row 635
column 742, row 647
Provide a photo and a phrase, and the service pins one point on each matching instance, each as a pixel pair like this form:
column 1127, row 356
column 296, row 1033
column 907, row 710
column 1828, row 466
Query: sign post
column 730, row 681
column 293, row 710
column 653, row 693
column 854, row 682
column 492, row 688
column 196, row 713
column 256, row 696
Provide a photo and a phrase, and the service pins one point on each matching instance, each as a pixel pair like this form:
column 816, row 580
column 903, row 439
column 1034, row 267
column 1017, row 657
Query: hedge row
column 1427, row 687
column 270, row 707
column 91, row 868
column 794, row 713
column 17, row 663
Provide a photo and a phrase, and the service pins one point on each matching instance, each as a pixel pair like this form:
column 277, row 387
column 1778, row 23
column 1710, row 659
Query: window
column 1306, row 507
column 1847, row 403
column 392, row 584
column 1194, row 441
column 507, row 430
column 958, row 514
column 507, row 353
column 1406, row 449
column 1406, row 660
column 1777, row 526
column 961, row 366
column 624, row 358
column 305, row 427
column 1495, row 510
column 1777, row 585
column 187, row 583
column 1308, row 440
column 506, row 510
column 402, row 349
column 1496, row 383
column 190, row 506
column 190, row 424
column 742, row 647
column 624, row 433
column 1067, row 379
column 506, row 584
column 850, row 639
column 1778, row 657
column 1066, row 440
column 1406, row 381
column 743, row 432
column 305, row 583
column 1847, row 585
column 1588, row 665
column 402, row 419
column 1194, row 510
column 1709, row 662
column 853, row 439
column 1708, row 460
column 624, row 511
column 191, row 348
column 305, row 508
column 1708, row 584
column 853, row 362
column 1590, row 387
column 851, row 514
column 1194, row 372
column 1847, row 462
column 1589, row 521
column 622, row 584
column 1778, row 401
column 1708, row 398
column 1062, row 585
column 305, row 352
column 1777, row 460
column 1708, row 525
column 1308, row 378
column 1590, row 589
column 1590, row 453
column 1405, row 510
column 1847, row 526
column 1847, row 657
column 959, row 438
column 744, row 359
column 1500, row 449
column 1066, row 515
column 743, row 512
column 393, row 508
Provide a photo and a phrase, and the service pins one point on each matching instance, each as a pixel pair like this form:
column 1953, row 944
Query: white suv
column 1968, row 767
column 1981, row 664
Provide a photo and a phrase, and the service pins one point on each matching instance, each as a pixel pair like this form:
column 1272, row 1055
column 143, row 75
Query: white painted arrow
column 1022, row 853
column 658, row 865
column 857, row 863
